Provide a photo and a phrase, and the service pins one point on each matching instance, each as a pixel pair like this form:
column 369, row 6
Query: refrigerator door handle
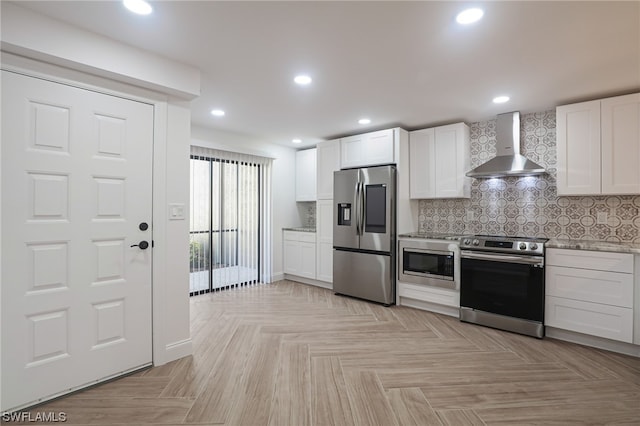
column 356, row 197
column 361, row 201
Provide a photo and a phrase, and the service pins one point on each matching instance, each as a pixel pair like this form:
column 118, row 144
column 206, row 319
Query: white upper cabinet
column 598, row 145
column 306, row 175
column 438, row 160
column 578, row 147
column 328, row 155
column 368, row 149
column 422, row 154
column 620, row 130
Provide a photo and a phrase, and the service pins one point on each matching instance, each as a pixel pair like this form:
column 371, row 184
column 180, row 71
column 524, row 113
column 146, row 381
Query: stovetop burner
column 504, row 244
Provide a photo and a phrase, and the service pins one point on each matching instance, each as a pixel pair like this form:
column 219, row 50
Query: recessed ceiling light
column 500, row 99
column 296, row 140
column 364, row 121
column 469, row 16
column 140, row 7
column 217, row 112
column 302, row 80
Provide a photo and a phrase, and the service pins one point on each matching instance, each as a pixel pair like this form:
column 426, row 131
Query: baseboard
column 177, row 350
column 309, row 281
column 593, row 341
column 277, row 277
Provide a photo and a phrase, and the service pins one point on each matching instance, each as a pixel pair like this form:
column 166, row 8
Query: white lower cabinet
column 590, row 292
column 595, row 319
column 300, row 254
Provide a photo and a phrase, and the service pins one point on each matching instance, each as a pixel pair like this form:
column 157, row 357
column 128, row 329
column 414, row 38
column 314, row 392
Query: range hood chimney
column 508, row 160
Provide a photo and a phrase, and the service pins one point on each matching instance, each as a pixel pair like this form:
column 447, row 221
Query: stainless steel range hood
column 508, row 160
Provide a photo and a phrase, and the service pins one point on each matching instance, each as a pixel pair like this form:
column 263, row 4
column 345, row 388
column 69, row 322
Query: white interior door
column 76, row 185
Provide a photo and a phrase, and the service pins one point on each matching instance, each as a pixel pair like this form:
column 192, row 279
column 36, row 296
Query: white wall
column 285, row 213
column 30, row 34
column 113, row 67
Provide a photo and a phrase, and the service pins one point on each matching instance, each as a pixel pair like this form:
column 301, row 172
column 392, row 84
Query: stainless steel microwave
column 428, row 262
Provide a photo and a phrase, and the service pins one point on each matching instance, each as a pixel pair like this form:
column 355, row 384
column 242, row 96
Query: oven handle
column 525, row 260
column 426, row 251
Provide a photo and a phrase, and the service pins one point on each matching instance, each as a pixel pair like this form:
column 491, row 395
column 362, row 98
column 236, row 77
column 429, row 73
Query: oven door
column 508, row 285
column 429, row 267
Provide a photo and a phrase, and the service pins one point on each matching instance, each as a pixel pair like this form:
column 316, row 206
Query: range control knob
column 522, row 246
column 466, row 241
column 476, row 242
column 534, row 246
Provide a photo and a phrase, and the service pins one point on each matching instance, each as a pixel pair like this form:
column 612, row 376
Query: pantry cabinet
column 306, row 175
column 324, row 244
column 328, row 161
column 590, row 292
column 300, row 253
column 598, row 146
column 438, row 160
column 368, row 149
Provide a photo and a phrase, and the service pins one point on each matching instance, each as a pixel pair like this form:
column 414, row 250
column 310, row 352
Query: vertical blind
column 230, row 232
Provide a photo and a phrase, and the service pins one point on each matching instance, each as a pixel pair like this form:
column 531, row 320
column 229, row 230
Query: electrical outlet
column 601, row 218
column 470, row 215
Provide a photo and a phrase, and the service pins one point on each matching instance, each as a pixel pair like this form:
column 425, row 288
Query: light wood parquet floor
column 292, row 354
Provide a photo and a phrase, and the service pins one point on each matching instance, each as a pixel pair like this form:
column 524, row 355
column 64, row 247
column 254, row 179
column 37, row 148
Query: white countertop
column 593, row 245
column 301, row 229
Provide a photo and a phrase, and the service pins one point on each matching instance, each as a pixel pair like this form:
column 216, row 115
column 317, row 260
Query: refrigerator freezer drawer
column 364, row 275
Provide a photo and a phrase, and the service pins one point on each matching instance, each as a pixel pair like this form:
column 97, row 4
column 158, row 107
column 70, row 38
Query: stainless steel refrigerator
column 364, row 233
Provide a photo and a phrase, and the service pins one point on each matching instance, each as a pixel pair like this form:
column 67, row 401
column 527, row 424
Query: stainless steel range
column 502, row 283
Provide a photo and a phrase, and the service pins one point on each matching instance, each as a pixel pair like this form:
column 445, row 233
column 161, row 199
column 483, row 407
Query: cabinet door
column 307, row 259
column 578, row 147
column 324, row 263
column 292, row 257
column 306, row 175
column 324, row 246
column 610, row 322
column 620, row 120
column 422, row 173
column 378, row 148
column 351, row 151
column 611, row 288
column 369, row 149
column 452, row 161
column 328, row 161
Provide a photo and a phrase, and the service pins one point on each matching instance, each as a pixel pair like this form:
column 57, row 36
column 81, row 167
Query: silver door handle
column 362, row 210
column 356, row 205
column 526, row 260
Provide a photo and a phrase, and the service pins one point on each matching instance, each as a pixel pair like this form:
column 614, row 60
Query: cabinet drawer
column 610, row 322
column 290, row 236
column 611, row 288
column 435, row 295
column 585, row 259
column 307, row 237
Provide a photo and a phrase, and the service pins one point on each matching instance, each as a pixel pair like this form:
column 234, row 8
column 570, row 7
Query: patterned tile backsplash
column 530, row 206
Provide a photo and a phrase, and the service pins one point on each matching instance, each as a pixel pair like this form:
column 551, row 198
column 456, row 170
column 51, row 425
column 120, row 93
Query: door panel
column 364, row 275
column 345, row 209
column 379, row 215
column 76, row 297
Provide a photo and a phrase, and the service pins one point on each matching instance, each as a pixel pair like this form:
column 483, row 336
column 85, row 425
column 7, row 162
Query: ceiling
column 405, row 64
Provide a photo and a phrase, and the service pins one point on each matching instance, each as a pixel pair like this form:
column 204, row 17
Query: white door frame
column 161, row 351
